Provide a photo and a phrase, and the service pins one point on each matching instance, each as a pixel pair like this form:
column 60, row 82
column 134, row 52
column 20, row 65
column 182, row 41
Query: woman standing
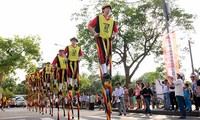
column 142, row 97
column 126, row 97
column 137, row 94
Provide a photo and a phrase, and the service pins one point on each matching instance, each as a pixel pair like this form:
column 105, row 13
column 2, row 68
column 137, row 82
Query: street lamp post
column 166, row 11
column 189, row 43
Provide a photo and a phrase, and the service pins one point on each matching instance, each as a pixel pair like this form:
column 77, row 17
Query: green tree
column 140, row 26
column 21, row 88
column 18, row 53
column 10, row 84
column 152, row 76
column 84, row 84
column 118, row 78
column 8, row 93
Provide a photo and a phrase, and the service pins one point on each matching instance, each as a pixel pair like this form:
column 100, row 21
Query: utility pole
column 192, row 65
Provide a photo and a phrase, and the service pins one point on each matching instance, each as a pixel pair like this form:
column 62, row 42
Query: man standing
column 165, row 87
column 154, row 96
column 194, row 91
column 179, row 93
column 147, row 93
column 198, row 90
column 102, row 28
column 172, row 95
column 130, row 96
column 74, row 54
column 120, row 98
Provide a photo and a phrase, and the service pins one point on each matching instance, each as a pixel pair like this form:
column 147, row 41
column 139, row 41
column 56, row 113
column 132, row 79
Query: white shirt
column 165, row 88
column 171, row 90
column 178, row 87
column 119, row 92
column 92, row 99
column 114, row 93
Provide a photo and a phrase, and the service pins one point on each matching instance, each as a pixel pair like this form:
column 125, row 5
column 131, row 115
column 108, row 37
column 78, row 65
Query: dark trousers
column 180, row 100
column 173, row 100
column 196, row 102
column 91, row 106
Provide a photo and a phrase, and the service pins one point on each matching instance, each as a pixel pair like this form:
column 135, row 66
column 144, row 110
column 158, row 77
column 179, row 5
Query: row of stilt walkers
column 56, row 83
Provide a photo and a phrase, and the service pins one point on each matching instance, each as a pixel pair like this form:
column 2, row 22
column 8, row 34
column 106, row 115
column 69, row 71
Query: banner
column 170, row 54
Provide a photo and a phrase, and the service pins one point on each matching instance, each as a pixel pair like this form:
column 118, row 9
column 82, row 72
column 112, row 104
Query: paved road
column 24, row 114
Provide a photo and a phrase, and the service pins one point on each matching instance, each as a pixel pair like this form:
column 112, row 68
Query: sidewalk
column 163, row 112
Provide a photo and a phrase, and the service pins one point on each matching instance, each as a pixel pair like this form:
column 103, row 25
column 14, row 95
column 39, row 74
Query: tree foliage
column 140, row 26
column 22, row 88
column 152, row 76
column 10, row 84
column 92, row 84
column 18, row 53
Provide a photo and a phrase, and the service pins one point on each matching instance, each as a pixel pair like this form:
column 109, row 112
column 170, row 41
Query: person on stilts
column 47, row 75
column 102, row 28
column 74, row 55
column 60, row 64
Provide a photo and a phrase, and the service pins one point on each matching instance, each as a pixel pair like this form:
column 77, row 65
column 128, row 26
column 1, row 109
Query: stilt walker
column 102, row 28
column 78, row 94
column 47, row 71
column 73, row 55
column 60, row 64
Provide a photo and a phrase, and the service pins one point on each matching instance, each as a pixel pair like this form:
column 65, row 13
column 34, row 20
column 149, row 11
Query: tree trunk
column 127, row 75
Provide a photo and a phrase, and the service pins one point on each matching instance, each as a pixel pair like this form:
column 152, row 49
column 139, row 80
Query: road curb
column 164, row 112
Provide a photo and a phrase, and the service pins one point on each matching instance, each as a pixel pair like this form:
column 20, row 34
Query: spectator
column 165, row 87
column 114, row 103
column 172, row 95
column 198, row 90
column 92, row 101
column 56, row 101
column 66, row 102
column 194, row 91
column 130, row 96
column 120, row 99
column 74, row 101
column 142, row 97
column 138, row 98
column 187, row 97
column 83, row 100
column 102, row 103
column 87, row 102
column 146, row 92
column 154, row 95
column 126, row 97
column 179, row 94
